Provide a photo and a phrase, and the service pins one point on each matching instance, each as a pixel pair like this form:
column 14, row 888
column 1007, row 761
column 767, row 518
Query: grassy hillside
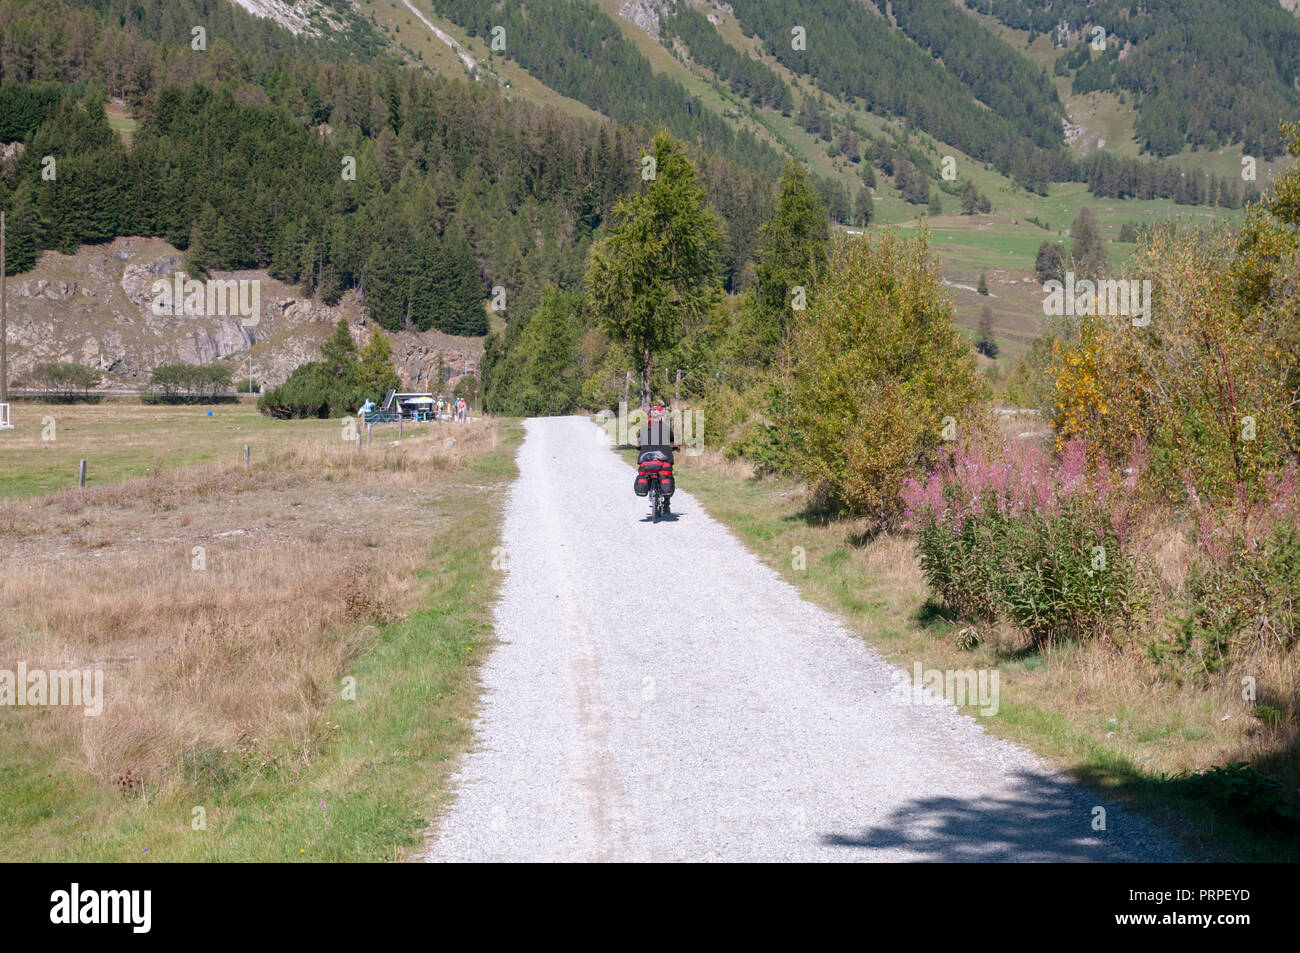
column 1003, row 244
column 422, row 48
column 1104, row 119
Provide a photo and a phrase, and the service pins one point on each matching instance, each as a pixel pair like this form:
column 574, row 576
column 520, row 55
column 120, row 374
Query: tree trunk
column 647, row 369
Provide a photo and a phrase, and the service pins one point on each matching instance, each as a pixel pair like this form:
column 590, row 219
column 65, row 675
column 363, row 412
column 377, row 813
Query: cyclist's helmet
column 656, row 412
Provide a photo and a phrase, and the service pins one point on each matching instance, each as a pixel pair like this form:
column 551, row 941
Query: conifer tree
column 791, row 254
column 375, row 375
column 657, row 269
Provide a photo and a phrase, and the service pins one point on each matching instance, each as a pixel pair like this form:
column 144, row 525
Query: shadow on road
column 665, row 518
column 1047, row 821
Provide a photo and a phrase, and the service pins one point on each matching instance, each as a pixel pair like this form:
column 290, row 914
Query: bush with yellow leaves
column 875, row 368
column 1204, row 384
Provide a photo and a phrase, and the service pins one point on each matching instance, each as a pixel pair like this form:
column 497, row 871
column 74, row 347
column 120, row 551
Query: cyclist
column 655, row 441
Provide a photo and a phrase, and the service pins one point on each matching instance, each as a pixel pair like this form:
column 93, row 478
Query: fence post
column 81, row 474
column 245, row 454
column 367, row 436
column 399, row 428
column 358, row 440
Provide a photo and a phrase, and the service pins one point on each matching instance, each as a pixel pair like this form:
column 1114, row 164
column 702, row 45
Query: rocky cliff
column 96, row 308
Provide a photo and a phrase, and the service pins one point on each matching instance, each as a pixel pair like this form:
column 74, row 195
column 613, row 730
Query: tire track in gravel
column 591, row 756
column 658, row 693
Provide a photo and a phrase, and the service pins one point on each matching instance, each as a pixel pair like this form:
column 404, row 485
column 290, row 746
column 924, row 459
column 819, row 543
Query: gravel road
column 658, row 694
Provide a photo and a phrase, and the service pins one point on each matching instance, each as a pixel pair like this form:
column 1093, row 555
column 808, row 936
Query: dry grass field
column 225, row 604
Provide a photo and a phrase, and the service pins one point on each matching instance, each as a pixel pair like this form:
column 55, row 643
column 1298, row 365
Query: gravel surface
column 659, row 694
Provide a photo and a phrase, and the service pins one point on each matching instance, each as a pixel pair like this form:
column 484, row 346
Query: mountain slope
column 898, row 108
column 1203, row 73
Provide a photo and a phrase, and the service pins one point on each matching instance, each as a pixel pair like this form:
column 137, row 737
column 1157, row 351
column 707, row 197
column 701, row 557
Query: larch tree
column 791, row 254
column 656, row 271
column 375, row 374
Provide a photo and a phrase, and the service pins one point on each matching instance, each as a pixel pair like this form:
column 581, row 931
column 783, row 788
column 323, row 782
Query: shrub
column 876, row 366
column 373, row 377
column 1245, row 791
column 189, row 384
column 734, row 419
column 1209, row 383
column 1016, row 536
column 67, row 382
column 339, row 383
column 1243, row 588
column 535, row 370
column 467, row 387
column 309, row 392
column 596, row 391
column 1030, row 384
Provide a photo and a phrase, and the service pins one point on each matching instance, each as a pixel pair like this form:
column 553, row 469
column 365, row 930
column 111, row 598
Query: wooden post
column 358, row 440
column 367, row 436
column 245, row 454
column 399, row 428
column 81, row 474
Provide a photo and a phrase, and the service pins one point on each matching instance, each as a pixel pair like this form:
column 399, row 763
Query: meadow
column 288, row 647
column 121, row 438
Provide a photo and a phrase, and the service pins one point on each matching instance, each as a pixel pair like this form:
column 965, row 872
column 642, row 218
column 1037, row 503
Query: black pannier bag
column 648, row 468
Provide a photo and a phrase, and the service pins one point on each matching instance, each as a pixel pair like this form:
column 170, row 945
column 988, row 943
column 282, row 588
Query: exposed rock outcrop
column 645, row 13
column 95, row 308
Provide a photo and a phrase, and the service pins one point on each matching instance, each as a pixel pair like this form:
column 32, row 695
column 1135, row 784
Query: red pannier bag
column 648, row 468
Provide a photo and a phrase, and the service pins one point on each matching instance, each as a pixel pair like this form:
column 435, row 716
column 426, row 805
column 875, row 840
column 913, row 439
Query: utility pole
column 4, row 319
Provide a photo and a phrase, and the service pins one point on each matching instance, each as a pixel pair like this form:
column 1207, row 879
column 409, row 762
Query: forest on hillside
column 745, row 76
column 972, row 91
column 421, row 192
column 575, row 48
column 1204, row 73
column 853, row 53
column 335, row 168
